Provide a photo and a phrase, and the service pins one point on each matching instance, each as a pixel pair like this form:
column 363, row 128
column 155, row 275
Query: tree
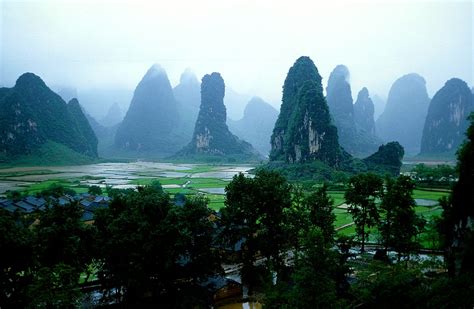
column 154, row 252
column 63, row 248
column 321, row 213
column 94, row 190
column 315, row 278
column 240, row 221
column 315, row 284
column 400, row 224
column 198, row 259
column 136, row 248
column 255, row 214
column 273, row 199
column 361, row 195
column 15, row 260
column 458, row 211
column 390, row 286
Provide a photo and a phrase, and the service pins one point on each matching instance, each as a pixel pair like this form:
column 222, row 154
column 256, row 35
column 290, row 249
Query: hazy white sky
column 93, row 44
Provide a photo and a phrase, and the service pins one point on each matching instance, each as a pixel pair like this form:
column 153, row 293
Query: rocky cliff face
column 211, row 135
column 446, row 122
column 148, row 126
column 364, row 112
column 405, row 113
column 256, row 125
column 31, row 115
column 303, row 131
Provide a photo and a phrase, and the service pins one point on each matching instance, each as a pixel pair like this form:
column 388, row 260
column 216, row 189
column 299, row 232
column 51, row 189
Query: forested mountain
column 256, row 125
column 446, row 122
column 304, row 131
column 149, row 127
column 211, row 135
column 32, row 115
column 405, row 113
column 305, row 142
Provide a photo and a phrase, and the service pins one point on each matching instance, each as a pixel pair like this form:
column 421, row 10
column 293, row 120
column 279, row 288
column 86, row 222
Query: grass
column 74, row 184
column 199, row 168
column 337, row 196
column 162, row 180
column 342, row 217
column 51, row 153
column 216, row 201
column 199, row 183
column 429, row 194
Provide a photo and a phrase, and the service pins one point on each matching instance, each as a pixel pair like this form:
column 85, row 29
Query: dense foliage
column 399, row 225
column 361, row 195
column 456, row 224
column 175, row 243
column 447, row 121
column 388, row 159
column 143, row 249
column 442, row 175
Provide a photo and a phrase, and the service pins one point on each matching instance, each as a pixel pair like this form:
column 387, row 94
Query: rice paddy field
column 209, row 180
column 187, row 179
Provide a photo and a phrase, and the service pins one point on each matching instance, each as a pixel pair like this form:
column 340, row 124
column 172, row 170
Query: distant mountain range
column 405, row 113
column 256, row 125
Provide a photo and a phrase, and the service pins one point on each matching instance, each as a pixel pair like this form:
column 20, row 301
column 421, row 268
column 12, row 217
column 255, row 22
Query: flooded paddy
column 208, row 179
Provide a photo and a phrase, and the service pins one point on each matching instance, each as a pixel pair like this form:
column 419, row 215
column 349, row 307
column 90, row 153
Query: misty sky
column 94, row 44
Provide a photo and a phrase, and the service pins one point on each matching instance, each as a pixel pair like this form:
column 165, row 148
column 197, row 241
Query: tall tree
column 400, row 224
column 321, row 213
column 63, row 248
column 361, row 195
column 136, row 218
column 255, row 214
column 458, row 213
column 315, row 279
column 273, row 198
column 153, row 251
column 15, row 260
column 240, row 220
